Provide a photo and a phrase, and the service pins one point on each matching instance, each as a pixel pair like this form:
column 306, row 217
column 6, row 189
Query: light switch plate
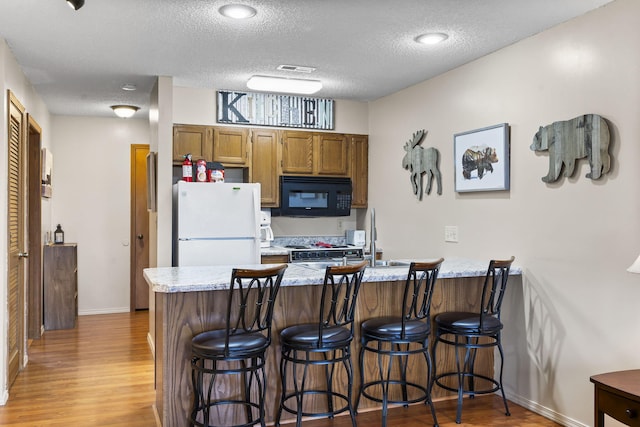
column 450, row 233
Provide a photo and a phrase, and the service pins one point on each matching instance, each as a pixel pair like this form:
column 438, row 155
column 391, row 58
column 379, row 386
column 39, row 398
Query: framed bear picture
column 481, row 159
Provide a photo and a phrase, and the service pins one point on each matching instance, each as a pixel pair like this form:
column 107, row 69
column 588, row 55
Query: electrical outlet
column 450, row 233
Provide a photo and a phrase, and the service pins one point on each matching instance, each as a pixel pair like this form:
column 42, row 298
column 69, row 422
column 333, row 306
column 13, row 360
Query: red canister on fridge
column 201, row 171
column 215, row 172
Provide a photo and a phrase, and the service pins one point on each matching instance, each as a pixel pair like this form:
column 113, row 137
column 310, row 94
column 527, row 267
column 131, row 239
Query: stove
column 301, row 253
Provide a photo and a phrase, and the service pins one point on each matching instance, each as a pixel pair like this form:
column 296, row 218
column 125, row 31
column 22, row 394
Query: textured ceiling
column 362, row 49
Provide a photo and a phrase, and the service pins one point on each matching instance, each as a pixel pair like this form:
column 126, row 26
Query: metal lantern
column 58, row 235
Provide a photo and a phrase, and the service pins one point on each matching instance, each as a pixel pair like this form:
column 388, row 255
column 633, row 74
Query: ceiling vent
column 296, row 68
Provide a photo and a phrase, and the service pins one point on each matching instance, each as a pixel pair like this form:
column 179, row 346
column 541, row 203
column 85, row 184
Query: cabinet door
column 264, row 155
column 197, row 140
column 297, row 152
column 332, row 155
column 359, row 170
column 230, row 146
column 60, row 286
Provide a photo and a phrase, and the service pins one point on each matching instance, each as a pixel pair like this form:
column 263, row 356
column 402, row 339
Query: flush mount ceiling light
column 280, row 84
column 431, row 38
column 237, row 11
column 75, row 4
column 124, row 111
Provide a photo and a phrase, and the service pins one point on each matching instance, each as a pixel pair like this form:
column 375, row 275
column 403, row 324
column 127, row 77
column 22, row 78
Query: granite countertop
column 274, row 250
column 194, row 279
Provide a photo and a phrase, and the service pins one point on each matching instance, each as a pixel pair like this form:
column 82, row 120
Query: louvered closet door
column 17, row 263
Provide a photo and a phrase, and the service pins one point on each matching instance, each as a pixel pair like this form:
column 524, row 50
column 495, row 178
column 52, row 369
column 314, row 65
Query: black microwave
column 314, row 196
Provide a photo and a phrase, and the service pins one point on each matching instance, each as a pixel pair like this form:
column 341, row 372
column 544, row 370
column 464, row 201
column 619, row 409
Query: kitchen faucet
column 372, row 243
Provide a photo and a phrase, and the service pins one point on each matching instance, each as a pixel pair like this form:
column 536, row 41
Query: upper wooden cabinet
column 359, row 146
column 308, row 153
column 230, row 146
column 264, row 165
column 297, row 152
column 196, row 140
column 332, row 154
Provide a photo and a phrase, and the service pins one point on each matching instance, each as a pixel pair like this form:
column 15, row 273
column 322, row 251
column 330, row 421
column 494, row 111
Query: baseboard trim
column 545, row 412
column 151, row 345
column 112, row 310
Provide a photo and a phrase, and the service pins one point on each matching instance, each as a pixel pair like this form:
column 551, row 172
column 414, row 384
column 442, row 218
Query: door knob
column 23, row 254
column 140, row 236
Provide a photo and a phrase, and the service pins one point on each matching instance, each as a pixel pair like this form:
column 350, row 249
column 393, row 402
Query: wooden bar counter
column 189, row 300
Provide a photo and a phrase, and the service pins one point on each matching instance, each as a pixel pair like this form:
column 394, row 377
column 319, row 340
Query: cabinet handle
column 140, row 236
column 631, row 413
column 23, row 254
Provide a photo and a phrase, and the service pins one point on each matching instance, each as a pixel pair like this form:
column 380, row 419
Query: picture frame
column 481, row 159
column 152, row 172
column 46, row 166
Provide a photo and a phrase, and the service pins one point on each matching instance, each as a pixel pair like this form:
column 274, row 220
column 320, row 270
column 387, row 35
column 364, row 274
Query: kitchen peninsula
column 189, row 301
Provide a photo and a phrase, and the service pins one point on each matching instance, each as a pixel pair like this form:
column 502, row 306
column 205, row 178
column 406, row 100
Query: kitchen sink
column 318, row 265
column 391, row 263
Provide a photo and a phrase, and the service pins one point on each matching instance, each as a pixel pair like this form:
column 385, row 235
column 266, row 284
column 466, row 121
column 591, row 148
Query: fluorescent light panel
column 280, row 84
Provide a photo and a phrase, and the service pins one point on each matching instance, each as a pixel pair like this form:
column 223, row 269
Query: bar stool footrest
column 316, row 392
column 422, row 398
column 496, row 384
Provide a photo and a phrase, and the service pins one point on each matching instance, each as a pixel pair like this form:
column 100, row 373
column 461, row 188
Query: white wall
column 575, row 314
column 91, row 182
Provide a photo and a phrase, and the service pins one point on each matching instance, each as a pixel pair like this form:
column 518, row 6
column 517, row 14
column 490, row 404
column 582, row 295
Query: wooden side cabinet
column 617, row 394
column 60, row 286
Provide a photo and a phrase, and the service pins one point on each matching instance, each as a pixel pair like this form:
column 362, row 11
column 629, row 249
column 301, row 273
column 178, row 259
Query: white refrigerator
column 216, row 224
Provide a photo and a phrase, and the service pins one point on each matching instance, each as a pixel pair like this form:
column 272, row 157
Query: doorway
column 34, row 230
column 139, row 227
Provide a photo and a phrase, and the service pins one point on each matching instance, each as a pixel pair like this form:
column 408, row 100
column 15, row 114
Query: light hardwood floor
column 101, row 374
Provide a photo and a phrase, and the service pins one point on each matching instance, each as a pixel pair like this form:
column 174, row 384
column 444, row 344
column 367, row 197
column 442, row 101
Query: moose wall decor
column 421, row 161
column 567, row 141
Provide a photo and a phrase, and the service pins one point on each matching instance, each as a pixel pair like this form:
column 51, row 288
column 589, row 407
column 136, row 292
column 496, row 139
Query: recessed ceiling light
column 237, row 11
column 124, row 111
column 431, row 38
column 129, row 87
column 279, row 84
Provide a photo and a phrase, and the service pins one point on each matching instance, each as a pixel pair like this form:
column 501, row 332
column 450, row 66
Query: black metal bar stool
column 326, row 344
column 397, row 338
column 237, row 350
column 468, row 332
